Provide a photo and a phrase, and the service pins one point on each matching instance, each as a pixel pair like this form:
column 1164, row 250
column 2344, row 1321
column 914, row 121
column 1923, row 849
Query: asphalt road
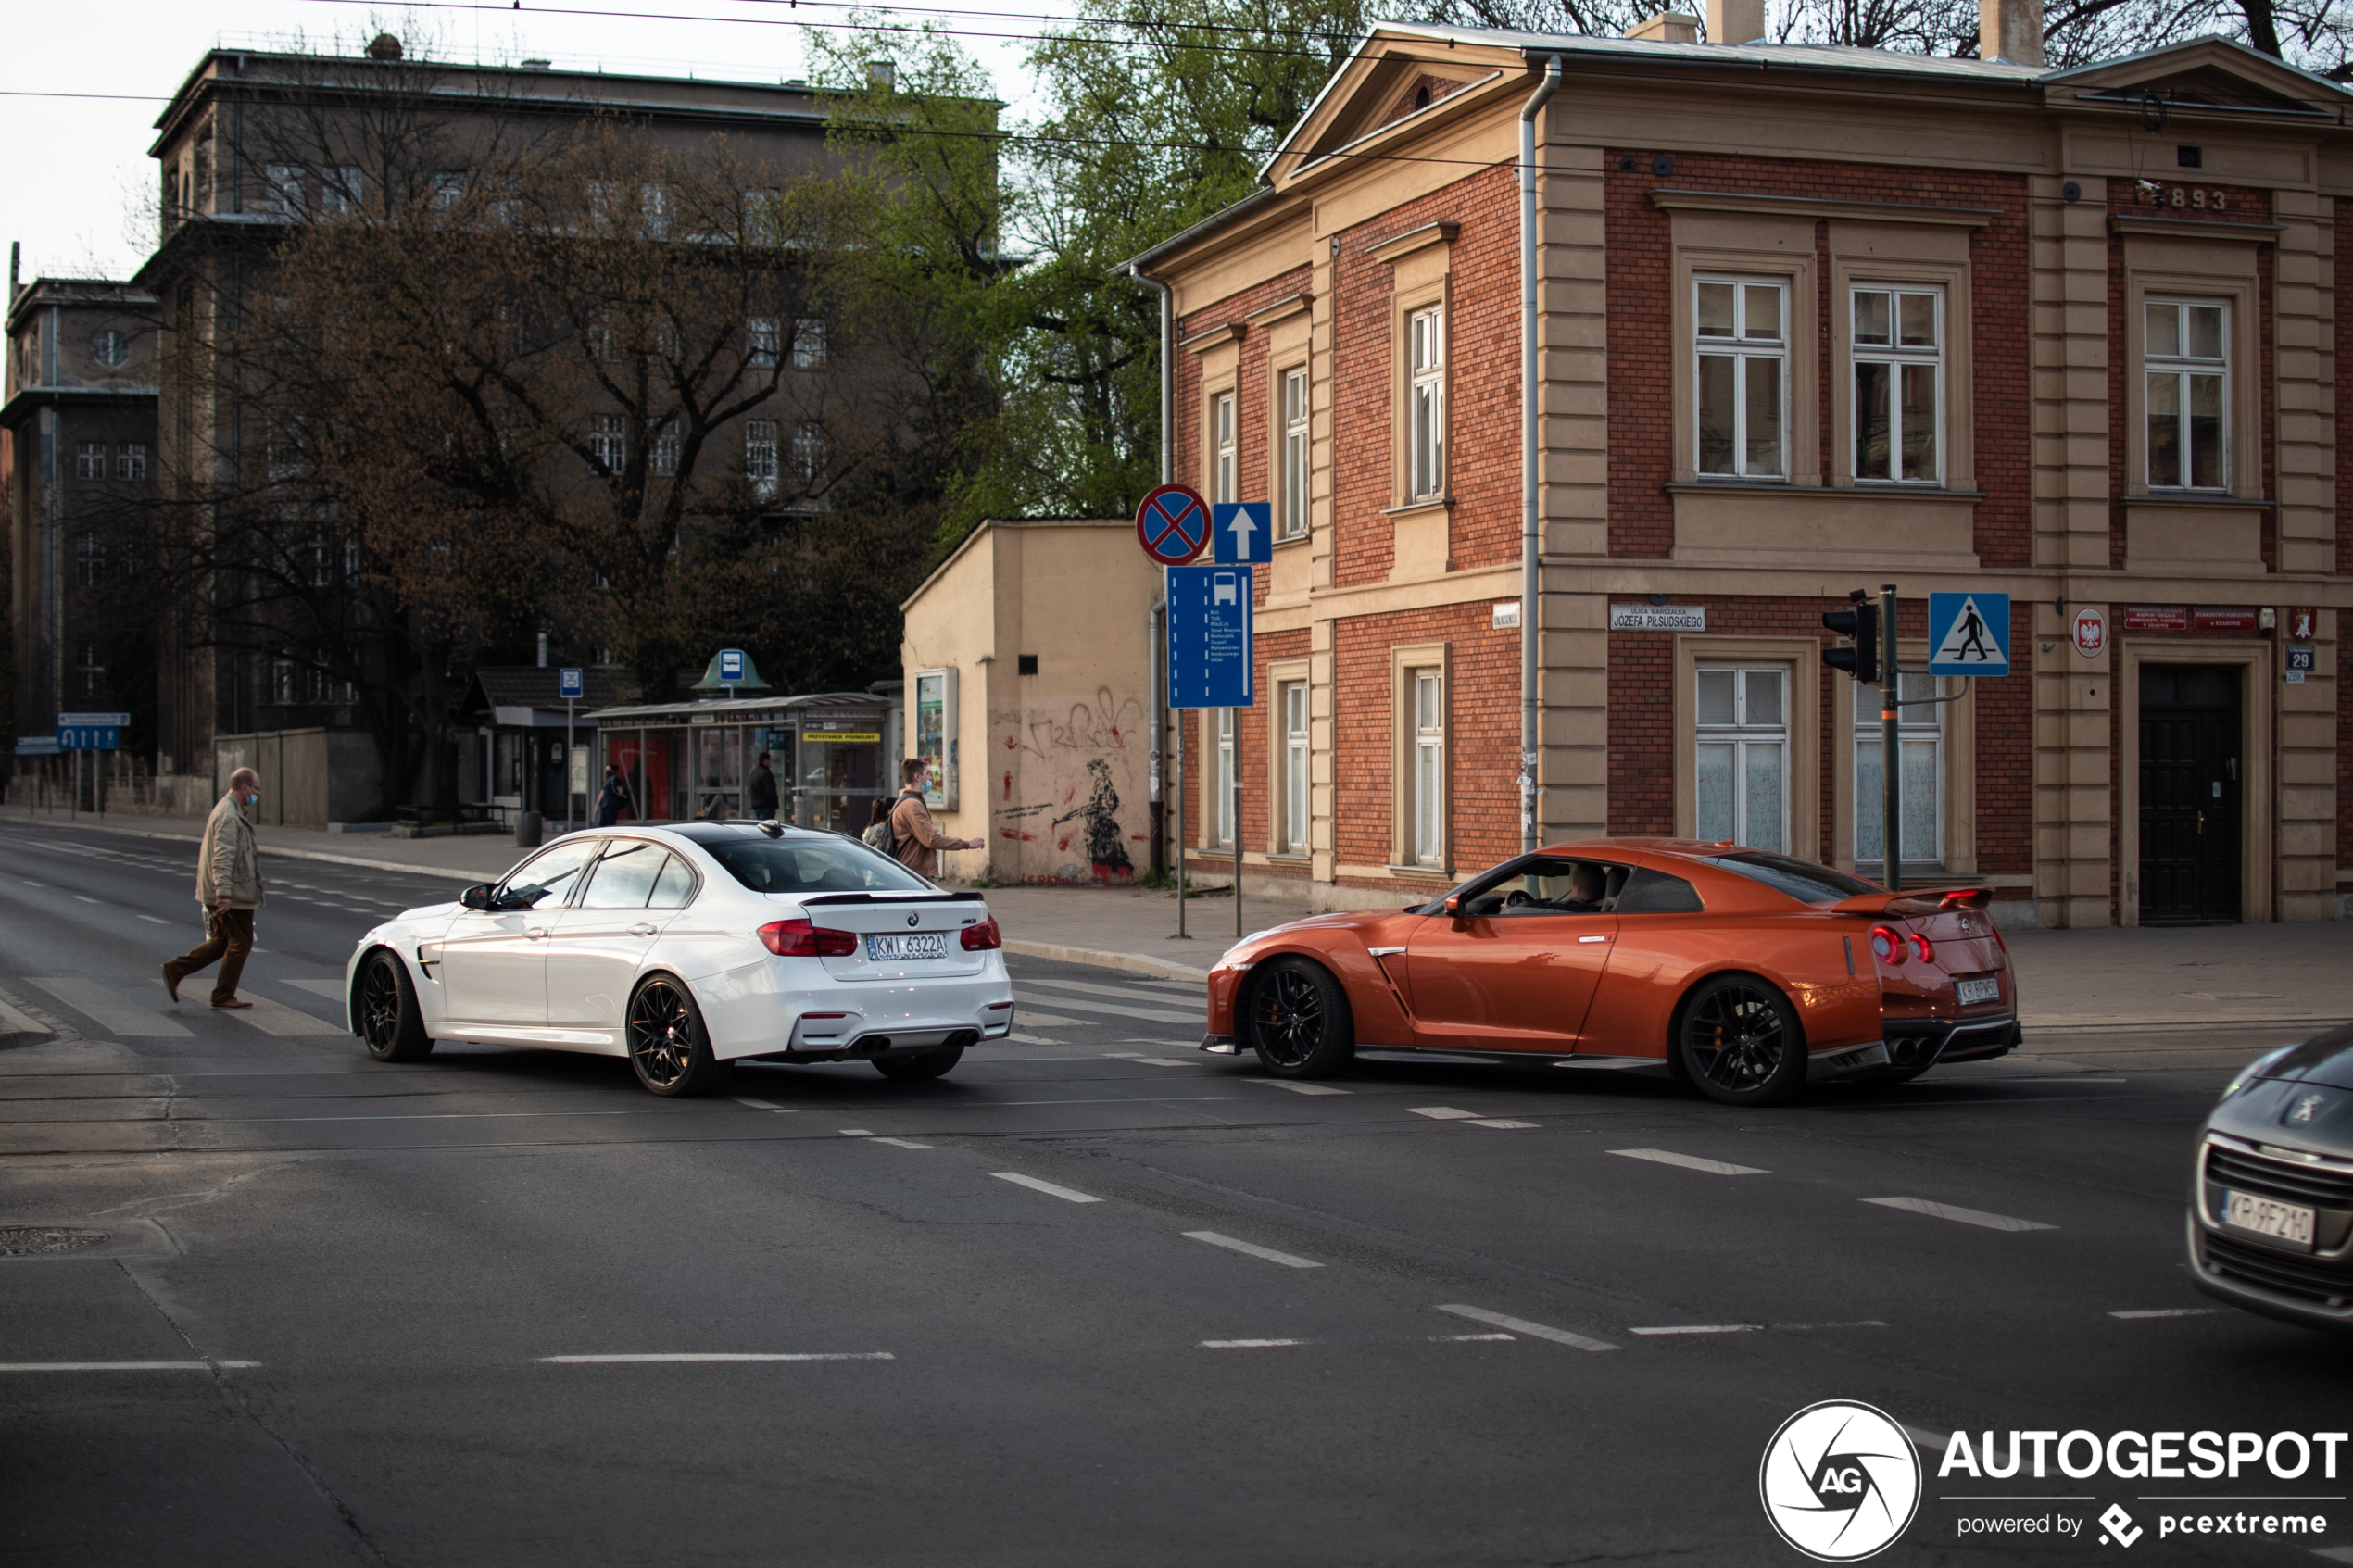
column 1096, row 1298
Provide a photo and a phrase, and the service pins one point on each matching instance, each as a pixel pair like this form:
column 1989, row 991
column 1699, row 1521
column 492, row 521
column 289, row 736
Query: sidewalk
column 478, row 858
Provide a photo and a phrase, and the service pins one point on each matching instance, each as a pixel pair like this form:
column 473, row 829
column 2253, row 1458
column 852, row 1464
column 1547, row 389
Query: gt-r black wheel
column 1296, row 1017
column 1739, row 1042
column 920, row 1065
column 667, row 1045
column 389, row 1021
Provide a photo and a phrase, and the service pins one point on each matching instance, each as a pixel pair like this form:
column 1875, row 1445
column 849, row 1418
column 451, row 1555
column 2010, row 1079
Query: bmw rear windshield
column 811, row 865
column 1801, row 880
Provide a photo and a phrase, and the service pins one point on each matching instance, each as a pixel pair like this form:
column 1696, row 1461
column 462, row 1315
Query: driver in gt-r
column 1587, row 888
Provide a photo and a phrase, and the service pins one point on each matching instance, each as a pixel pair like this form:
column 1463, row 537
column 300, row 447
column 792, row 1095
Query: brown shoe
column 172, row 983
column 232, row 1002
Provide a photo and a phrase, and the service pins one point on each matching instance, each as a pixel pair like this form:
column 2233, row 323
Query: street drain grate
column 34, row 1241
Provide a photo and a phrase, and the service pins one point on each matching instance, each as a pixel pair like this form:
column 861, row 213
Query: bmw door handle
column 643, row 928
column 536, row 932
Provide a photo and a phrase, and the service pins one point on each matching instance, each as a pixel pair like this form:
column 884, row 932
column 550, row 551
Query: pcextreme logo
column 1840, row 1481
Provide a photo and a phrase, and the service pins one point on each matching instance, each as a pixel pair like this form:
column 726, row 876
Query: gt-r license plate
column 2267, row 1216
column 1980, row 991
column 908, row 945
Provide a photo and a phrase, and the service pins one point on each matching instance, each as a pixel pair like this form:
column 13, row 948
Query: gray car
column 2270, row 1224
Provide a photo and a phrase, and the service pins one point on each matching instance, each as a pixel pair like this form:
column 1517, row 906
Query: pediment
column 1391, row 79
column 2210, row 73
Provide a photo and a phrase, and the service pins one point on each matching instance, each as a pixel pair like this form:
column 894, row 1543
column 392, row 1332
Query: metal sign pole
column 1184, row 715
column 1238, row 832
column 569, row 743
column 1890, row 761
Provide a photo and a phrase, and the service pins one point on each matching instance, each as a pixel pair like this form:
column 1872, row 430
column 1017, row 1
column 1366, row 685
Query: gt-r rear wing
column 1908, row 905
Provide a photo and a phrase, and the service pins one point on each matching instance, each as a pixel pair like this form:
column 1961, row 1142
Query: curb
column 1134, row 963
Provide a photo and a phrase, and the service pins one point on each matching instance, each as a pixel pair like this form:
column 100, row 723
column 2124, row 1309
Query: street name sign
column 1173, row 524
column 1969, row 633
column 1245, row 533
column 1210, row 636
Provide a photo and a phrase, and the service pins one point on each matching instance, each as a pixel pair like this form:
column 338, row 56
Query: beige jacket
column 230, row 860
column 920, row 840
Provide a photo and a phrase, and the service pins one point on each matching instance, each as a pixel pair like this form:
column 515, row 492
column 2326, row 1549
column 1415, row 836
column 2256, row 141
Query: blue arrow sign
column 1969, row 633
column 87, row 737
column 568, row 684
column 1245, row 532
column 1210, row 652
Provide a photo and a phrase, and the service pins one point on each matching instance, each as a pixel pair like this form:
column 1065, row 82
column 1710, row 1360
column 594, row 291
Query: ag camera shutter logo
column 1840, row 1481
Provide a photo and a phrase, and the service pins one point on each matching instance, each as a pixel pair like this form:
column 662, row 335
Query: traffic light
column 1861, row 623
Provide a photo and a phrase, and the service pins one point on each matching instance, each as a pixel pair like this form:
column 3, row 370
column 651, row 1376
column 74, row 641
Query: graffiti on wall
column 1058, row 809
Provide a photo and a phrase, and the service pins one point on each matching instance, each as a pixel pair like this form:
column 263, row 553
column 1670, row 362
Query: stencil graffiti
column 1059, row 790
column 1101, row 816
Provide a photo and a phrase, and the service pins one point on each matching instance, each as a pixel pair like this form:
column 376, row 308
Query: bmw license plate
column 1980, row 991
column 908, row 945
column 2267, row 1216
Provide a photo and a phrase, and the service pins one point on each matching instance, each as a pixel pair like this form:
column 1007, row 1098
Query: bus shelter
column 833, row 754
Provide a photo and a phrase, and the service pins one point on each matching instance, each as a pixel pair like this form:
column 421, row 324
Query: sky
column 79, row 166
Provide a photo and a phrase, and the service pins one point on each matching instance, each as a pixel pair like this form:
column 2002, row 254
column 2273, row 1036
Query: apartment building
column 1807, row 320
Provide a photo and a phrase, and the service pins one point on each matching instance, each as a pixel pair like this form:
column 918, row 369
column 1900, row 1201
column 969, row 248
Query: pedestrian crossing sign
column 1969, row 633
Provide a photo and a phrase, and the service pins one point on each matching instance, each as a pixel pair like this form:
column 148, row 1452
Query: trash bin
column 527, row 830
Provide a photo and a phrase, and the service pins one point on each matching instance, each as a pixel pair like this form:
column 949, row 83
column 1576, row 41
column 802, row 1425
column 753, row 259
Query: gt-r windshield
column 812, row 865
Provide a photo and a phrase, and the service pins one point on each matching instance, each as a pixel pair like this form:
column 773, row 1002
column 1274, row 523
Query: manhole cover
column 33, row 1241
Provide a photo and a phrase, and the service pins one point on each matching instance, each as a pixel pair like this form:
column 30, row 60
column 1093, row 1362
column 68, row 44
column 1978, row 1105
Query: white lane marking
column 856, row 1132
column 2167, row 1313
column 1441, row 1112
column 1802, row 1327
column 276, row 1018
column 1034, row 1039
column 1533, row 1330
column 1068, row 1195
column 1153, row 1015
column 331, row 989
column 116, row 1015
column 152, row 921
column 1253, row 1249
column 1702, row 1328
column 1959, row 1216
column 1690, row 1161
column 1295, row 1086
column 1047, row 1020
column 1496, row 1121
column 1469, row 1338
column 668, row 1357
column 29, row 883
column 903, row 1142
column 85, row 898
column 15, row 1023
column 121, row 1366
column 1247, row 1344
column 762, row 1104
column 1142, row 1060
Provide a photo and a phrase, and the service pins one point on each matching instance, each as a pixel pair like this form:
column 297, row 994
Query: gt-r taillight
column 983, row 937
column 1887, row 944
column 800, row 940
column 1922, row 949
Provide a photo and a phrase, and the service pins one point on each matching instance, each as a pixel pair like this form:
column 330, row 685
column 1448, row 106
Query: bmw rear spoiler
column 1928, row 902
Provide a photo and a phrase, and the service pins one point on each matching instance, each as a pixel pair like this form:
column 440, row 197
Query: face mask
column 253, row 800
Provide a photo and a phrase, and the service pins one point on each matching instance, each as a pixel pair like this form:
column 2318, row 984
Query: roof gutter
column 1531, row 454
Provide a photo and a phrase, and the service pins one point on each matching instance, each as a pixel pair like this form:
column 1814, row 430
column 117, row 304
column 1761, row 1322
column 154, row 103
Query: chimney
column 1735, row 22
column 2010, row 31
column 386, row 48
column 1672, row 26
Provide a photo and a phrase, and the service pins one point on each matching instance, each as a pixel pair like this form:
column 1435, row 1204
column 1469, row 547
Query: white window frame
column 766, row 334
column 608, row 442
column 1225, row 804
column 1221, row 425
column 90, row 459
column 89, row 560
column 1426, row 404
column 1740, row 736
column 661, row 456
column 1918, row 726
column 343, row 193
column 281, row 190
column 1742, row 349
column 1426, row 783
column 131, row 460
column 1899, row 358
column 1291, row 704
column 1292, row 524
column 759, row 457
column 2181, row 369
column 808, row 452
column 809, row 342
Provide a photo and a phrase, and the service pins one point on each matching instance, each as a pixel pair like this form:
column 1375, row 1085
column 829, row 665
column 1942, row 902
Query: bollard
column 527, row 830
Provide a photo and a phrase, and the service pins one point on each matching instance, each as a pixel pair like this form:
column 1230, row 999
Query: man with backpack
column 915, row 838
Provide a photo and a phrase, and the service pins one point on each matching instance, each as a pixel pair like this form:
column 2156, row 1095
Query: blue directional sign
column 568, row 684
column 1969, row 633
column 731, row 666
column 88, row 737
column 1245, row 532
column 1173, row 524
column 1210, row 657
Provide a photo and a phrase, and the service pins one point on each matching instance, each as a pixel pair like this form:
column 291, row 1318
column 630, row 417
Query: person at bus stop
column 762, row 791
column 229, row 890
column 613, row 801
column 918, row 836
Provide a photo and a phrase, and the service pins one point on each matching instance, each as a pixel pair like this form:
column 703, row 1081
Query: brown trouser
column 228, row 939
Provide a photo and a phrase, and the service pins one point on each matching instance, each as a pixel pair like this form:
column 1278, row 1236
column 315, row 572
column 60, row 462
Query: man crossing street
column 229, row 890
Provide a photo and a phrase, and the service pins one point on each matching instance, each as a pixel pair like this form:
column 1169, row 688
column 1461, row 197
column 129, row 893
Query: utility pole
column 1890, row 761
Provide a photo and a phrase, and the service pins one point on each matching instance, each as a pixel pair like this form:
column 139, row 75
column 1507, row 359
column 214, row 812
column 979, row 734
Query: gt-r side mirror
column 1454, row 908
column 476, row 897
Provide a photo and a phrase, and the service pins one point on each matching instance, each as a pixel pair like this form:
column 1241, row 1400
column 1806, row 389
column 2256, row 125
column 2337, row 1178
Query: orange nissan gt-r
column 1747, row 973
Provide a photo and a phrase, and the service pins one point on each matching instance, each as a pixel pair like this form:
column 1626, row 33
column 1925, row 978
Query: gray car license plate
column 2267, row 1216
column 1980, row 991
column 908, row 945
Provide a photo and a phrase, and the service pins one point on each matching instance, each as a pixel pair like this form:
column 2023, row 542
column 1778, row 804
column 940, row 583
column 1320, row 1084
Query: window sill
column 1877, row 489
column 1287, row 540
column 1287, row 858
column 2197, row 498
column 1427, row 504
column 1421, row 873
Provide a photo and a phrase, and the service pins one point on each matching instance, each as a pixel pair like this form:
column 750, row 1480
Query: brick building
column 2069, row 335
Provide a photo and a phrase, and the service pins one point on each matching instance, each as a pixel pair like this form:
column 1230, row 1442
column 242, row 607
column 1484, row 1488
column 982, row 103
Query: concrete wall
column 1055, row 768
column 308, row 777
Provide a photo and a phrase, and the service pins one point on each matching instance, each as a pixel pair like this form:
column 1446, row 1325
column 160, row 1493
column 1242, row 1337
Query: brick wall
column 1252, row 394
column 1641, row 423
column 2343, row 534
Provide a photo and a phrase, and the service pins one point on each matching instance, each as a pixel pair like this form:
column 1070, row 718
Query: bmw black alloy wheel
column 1735, row 1036
column 380, row 1005
column 1287, row 1018
column 662, row 1033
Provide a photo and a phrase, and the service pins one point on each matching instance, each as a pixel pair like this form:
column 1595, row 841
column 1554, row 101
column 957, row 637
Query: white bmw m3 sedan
column 690, row 948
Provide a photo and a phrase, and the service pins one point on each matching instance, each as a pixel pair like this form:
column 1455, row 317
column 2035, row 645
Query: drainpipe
column 1531, row 460
column 1174, row 775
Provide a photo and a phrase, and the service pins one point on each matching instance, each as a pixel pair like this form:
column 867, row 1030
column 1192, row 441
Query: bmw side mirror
column 476, row 897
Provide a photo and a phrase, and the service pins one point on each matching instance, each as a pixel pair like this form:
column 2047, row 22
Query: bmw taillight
column 1887, row 944
column 1921, row 947
column 800, row 940
column 983, row 937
